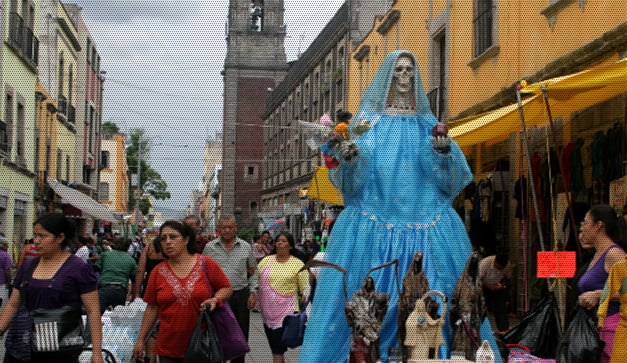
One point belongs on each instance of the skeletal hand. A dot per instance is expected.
(441, 144)
(348, 149)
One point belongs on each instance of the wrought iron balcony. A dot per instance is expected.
(71, 114)
(22, 39)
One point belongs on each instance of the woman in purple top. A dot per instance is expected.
(58, 279)
(605, 231)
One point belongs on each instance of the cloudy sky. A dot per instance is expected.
(163, 61)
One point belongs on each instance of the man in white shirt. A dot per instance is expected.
(495, 274)
(83, 251)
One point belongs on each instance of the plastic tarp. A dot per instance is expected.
(321, 188)
(565, 94)
(81, 201)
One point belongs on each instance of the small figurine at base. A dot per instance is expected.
(364, 314)
(423, 334)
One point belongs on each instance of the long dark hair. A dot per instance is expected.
(614, 224)
(185, 231)
(57, 223)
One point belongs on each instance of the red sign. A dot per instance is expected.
(557, 264)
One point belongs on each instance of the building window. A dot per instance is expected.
(104, 159)
(8, 118)
(256, 15)
(67, 168)
(437, 95)
(250, 172)
(483, 26)
(91, 130)
(61, 75)
(88, 50)
(103, 191)
(19, 142)
(59, 163)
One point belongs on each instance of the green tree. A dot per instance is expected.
(109, 129)
(246, 233)
(149, 179)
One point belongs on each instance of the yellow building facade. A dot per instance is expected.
(114, 183)
(472, 55)
(18, 69)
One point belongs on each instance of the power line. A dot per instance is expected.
(161, 93)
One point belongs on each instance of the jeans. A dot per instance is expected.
(111, 295)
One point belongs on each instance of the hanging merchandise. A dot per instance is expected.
(540, 329)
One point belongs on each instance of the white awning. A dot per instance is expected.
(82, 201)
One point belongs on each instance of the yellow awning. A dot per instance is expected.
(322, 189)
(581, 90)
(566, 95)
(503, 121)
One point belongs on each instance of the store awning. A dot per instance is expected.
(81, 201)
(322, 189)
(494, 124)
(566, 95)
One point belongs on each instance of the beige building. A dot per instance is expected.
(212, 159)
(114, 184)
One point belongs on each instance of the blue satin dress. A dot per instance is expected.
(398, 197)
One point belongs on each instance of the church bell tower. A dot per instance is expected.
(255, 63)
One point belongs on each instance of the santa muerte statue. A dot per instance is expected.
(398, 172)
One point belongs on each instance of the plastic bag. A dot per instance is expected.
(540, 329)
(581, 342)
(204, 345)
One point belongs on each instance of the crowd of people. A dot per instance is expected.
(182, 273)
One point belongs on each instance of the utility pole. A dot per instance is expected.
(138, 189)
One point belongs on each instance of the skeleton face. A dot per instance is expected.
(403, 74)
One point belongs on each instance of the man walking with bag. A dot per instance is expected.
(235, 257)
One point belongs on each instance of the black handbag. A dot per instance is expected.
(204, 345)
(58, 330)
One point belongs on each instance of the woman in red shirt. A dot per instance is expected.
(177, 290)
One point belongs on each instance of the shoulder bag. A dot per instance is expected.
(294, 328)
(229, 333)
(58, 330)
